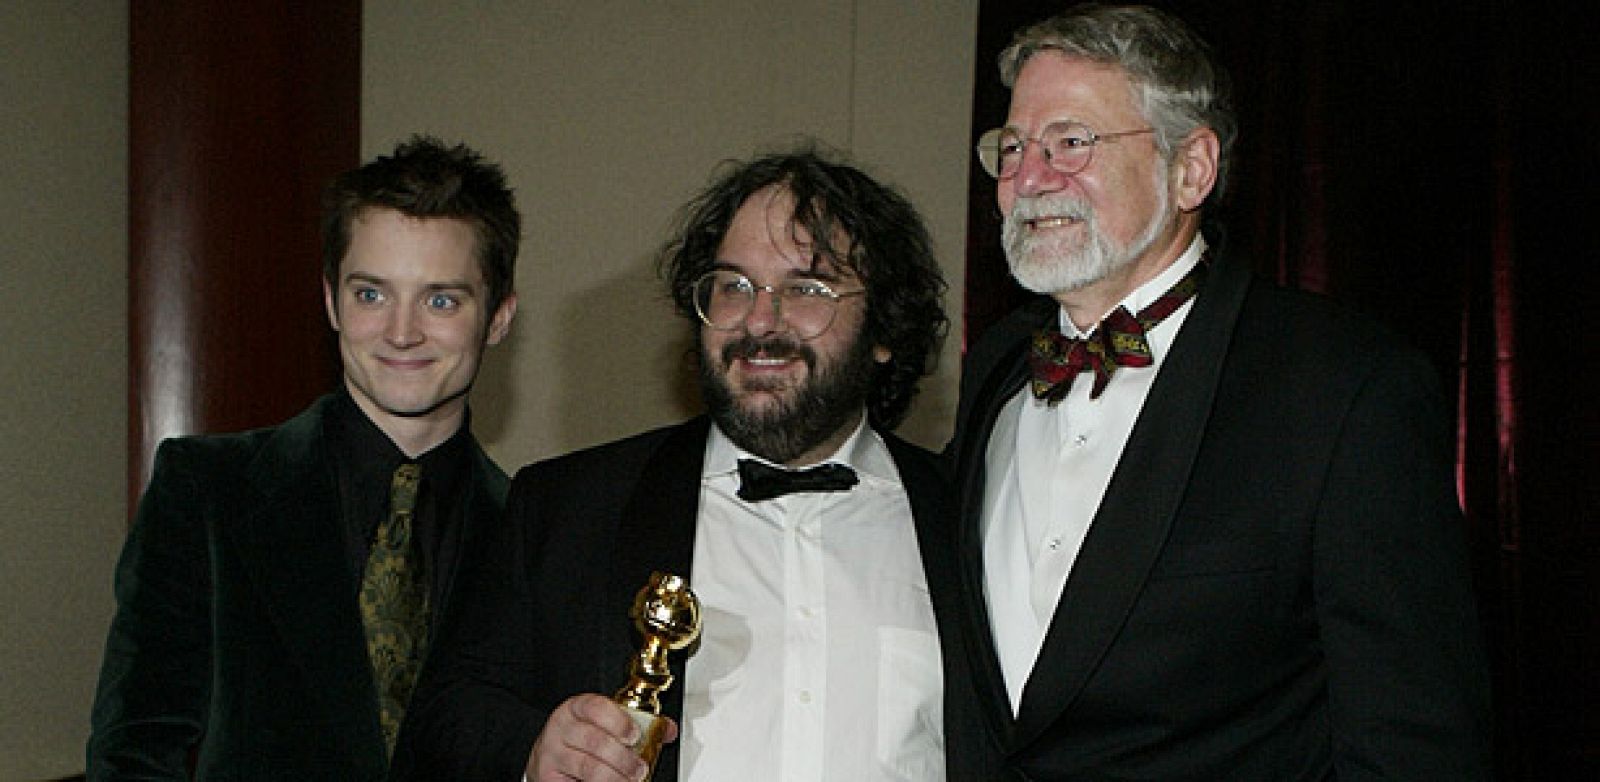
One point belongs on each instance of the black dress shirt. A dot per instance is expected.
(364, 461)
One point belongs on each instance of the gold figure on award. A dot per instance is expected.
(668, 616)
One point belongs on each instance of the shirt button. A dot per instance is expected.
(1054, 544)
(1081, 440)
(805, 696)
(806, 612)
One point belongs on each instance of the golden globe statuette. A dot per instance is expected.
(668, 616)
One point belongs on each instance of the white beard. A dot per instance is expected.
(1061, 261)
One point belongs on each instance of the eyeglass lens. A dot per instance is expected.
(724, 299)
(1067, 147)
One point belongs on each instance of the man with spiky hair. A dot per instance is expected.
(278, 588)
(812, 536)
(1208, 525)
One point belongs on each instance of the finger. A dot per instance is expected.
(605, 714)
(581, 741)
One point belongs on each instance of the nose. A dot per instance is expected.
(763, 317)
(1035, 176)
(402, 329)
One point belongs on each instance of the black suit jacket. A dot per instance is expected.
(549, 601)
(237, 635)
(1273, 588)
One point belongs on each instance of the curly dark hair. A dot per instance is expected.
(888, 248)
(425, 178)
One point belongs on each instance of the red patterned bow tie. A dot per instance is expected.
(1119, 341)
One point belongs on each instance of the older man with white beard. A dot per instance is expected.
(1209, 526)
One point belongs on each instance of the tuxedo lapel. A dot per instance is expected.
(928, 492)
(656, 533)
(483, 504)
(293, 550)
(1131, 525)
(933, 513)
(1002, 380)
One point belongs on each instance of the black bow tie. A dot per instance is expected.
(759, 481)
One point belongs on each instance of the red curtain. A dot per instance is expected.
(1433, 166)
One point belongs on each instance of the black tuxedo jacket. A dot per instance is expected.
(1274, 587)
(549, 601)
(237, 635)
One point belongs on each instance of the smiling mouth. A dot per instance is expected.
(1037, 223)
(404, 363)
(767, 361)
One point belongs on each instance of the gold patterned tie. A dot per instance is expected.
(394, 605)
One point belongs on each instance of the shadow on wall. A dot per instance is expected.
(496, 381)
(624, 357)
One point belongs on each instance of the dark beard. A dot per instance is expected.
(815, 411)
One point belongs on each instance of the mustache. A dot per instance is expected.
(770, 347)
(1049, 206)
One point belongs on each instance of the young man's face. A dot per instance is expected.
(781, 397)
(410, 306)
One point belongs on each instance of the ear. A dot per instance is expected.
(881, 354)
(1195, 168)
(500, 322)
(329, 303)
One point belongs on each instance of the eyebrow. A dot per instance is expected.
(816, 272)
(448, 285)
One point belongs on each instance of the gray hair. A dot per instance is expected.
(1177, 84)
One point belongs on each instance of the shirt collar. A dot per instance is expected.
(863, 452)
(1153, 289)
(359, 441)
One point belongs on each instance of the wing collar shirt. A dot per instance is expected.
(818, 658)
(1051, 466)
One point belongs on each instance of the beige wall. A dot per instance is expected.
(63, 371)
(607, 115)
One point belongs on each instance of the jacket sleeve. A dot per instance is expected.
(150, 704)
(1408, 686)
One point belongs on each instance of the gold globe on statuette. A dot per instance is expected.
(667, 615)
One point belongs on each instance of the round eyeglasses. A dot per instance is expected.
(1067, 147)
(725, 298)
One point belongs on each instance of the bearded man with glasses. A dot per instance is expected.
(1208, 529)
(812, 536)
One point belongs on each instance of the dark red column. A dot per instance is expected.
(238, 113)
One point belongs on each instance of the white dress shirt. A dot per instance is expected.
(818, 658)
(1049, 468)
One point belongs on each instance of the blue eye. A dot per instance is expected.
(366, 295)
(443, 301)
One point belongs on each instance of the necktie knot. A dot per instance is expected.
(396, 532)
(760, 481)
(1055, 359)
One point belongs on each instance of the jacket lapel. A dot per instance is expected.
(656, 532)
(293, 550)
(1003, 380)
(929, 494)
(483, 506)
(1133, 520)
